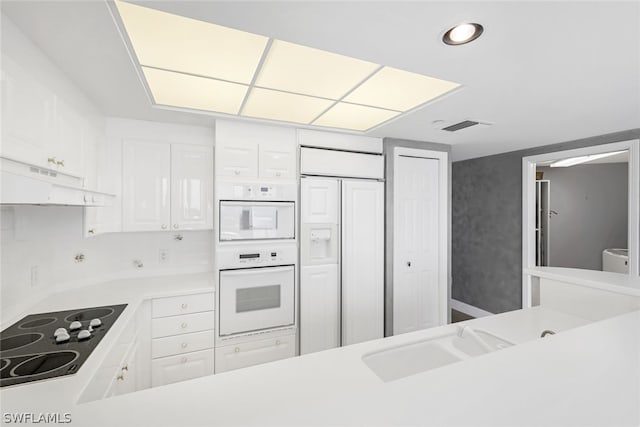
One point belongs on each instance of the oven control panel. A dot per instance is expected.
(256, 255)
(256, 191)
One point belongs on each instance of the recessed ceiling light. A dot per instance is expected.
(198, 93)
(355, 117)
(284, 106)
(300, 69)
(463, 33)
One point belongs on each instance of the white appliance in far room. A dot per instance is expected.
(615, 260)
(341, 249)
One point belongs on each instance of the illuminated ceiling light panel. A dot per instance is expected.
(176, 43)
(354, 117)
(300, 69)
(287, 107)
(186, 91)
(399, 90)
(572, 161)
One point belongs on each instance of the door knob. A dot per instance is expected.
(408, 263)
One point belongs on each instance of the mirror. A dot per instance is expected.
(581, 212)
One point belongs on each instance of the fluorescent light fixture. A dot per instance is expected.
(355, 117)
(199, 93)
(398, 90)
(300, 69)
(287, 107)
(203, 66)
(581, 159)
(176, 43)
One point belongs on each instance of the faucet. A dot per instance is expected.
(462, 330)
(546, 332)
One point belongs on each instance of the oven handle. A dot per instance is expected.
(256, 270)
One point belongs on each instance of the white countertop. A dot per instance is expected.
(614, 282)
(587, 374)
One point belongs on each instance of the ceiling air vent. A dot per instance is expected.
(462, 125)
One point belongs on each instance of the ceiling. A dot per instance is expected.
(542, 72)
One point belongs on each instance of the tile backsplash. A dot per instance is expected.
(39, 245)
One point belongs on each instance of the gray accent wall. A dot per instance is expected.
(388, 145)
(486, 258)
(592, 206)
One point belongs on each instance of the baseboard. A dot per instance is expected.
(468, 309)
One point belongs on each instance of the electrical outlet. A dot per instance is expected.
(34, 276)
(163, 256)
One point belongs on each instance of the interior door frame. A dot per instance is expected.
(528, 206)
(444, 222)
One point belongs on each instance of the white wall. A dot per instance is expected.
(48, 237)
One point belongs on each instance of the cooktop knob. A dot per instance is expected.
(75, 325)
(95, 323)
(62, 337)
(60, 331)
(84, 334)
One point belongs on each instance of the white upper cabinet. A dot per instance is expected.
(69, 139)
(166, 186)
(191, 187)
(239, 160)
(247, 150)
(146, 170)
(27, 116)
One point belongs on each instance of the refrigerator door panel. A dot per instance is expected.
(319, 308)
(362, 261)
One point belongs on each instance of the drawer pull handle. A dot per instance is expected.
(163, 226)
(277, 342)
(183, 360)
(183, 326)
(120, 377)
(237, 172)
(237, 349)
(125, 367)
(183, 345)
(184, 306)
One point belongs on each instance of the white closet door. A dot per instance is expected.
(146, 167)
(319, 277)
(416, 255)
(191, 187)
(362, 261)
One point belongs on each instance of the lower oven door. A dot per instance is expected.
(252, 299)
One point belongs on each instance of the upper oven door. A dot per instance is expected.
(256, 298)
(256, 220)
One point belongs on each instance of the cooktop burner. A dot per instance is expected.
(49, 345)
(17, 341)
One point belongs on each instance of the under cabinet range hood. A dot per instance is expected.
(23, 184)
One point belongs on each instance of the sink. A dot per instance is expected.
(410, 359)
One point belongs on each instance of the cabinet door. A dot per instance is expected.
(319, 308)
(27, 116)
(183, 367)
(252, 353)
(239, 160)
(191, 187)
(146, 192)
(362, 261)
(277, 159)
(126, 376)
(68, 143)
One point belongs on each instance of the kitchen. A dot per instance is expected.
(271, 230)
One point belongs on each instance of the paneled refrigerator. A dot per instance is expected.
(342, 262)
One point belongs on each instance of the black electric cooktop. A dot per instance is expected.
(48, 345)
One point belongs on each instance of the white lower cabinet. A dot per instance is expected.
(167, 370)
(236, 356)
(183, 337)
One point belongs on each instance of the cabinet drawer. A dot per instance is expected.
(183, 367)
(161, 347)
(238, 356)
(175, 325)
(173, 306)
